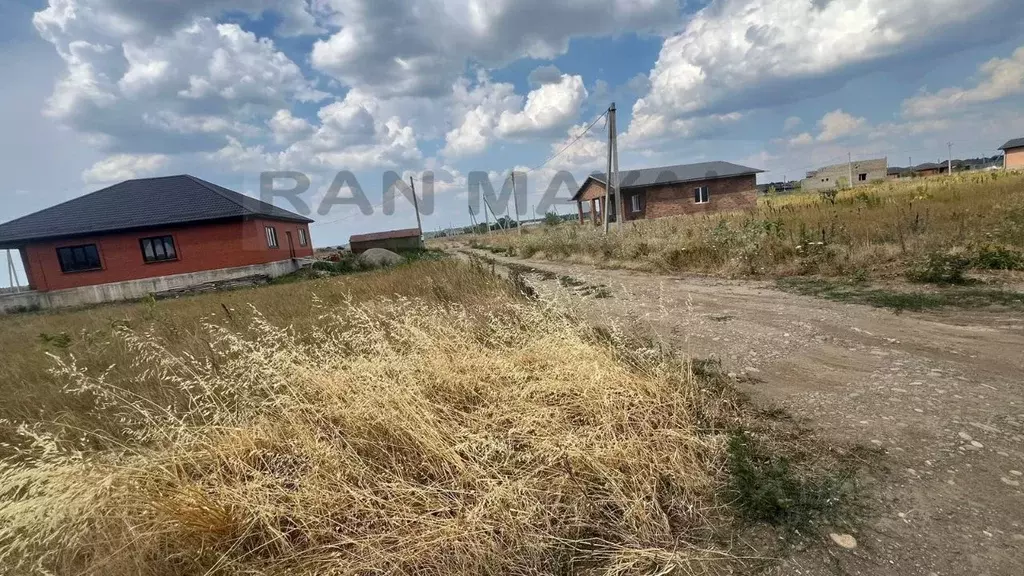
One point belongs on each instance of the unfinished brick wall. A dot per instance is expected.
(736, 193)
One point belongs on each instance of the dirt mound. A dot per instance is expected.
(379, 257)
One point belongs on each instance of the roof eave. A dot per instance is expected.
(595, 178)
(576, 196)
(752, 172)
(19, 241)
(300, 219)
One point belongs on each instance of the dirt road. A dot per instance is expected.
(942, 394)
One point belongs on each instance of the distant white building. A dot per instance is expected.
(838, 175)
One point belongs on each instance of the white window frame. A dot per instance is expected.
(701, 195)
(272, 237)
(303, 239)
(635, 202)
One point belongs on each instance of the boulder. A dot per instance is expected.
(379, 258)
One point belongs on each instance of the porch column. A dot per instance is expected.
(593, 211)
(579, 206)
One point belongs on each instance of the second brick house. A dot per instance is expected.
(1013, 154)
(672, 191)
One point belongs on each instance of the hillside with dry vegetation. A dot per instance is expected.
(929, 229)
(424, 420)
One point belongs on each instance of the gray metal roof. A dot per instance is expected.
(142, 203)
(661, 175)
(1015, 143)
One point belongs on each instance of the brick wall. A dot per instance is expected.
(593, 191)
(199, 247)
(1015, 159)
(736, 193)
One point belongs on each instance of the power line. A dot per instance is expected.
(570, 144)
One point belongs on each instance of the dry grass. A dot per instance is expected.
(448, 428)
(880, 231)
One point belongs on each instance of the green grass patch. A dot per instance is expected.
(858, 293)
(766, 487)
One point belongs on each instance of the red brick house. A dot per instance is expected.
(672, 191)
(141, 235)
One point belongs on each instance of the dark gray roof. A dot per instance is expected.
(142, 203)
(1015, 143)
(645, 177)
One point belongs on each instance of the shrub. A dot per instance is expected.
(343, 265)
(869, 200)
(999, 258)
(941, 268)
(59, 340)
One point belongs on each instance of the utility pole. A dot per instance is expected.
(416, 205)
(949, 166)
(515, 202)
(487, 219)
(608, 173)
(620, 202)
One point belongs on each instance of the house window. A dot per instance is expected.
(79, 258)
(158, 249)
(862, 177)
(302, 237)
(271, 237)
(701, 195)
(635, 201)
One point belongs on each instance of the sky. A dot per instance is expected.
(100, 91)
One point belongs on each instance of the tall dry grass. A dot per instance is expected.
(879, 230)
(31, 393)
(449, 428)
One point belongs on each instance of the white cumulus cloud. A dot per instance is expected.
(490, 111)
(838, 124)
(411, 47)
(999, 78)
(550, 107)
(180, 92)
(287, 128)
(124, 167)
(735, 55)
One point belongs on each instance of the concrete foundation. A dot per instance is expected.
(136, 289)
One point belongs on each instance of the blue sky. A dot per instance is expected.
(98, 91)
